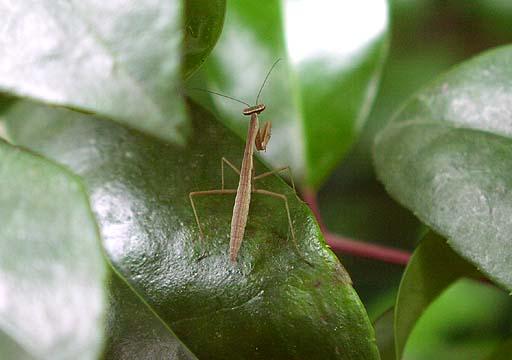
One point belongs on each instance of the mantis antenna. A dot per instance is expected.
(240, 101)
(216, 93)
(266, 77)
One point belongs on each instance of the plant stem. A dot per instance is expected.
(371, 251)
(353, 247)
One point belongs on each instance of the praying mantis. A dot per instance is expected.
(259, 138)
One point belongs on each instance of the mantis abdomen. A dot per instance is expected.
(243, 194)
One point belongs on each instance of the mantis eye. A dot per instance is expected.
(262, 137)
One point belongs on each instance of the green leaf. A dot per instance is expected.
(52, 271)
(384, 333)
(117, 59)
(270, 304)
(5, 102)
(318, 97)
(204, 20)
(467, 321)
(481, 13)
(447, 157)
(433, 267)
(504, 351)
(133, 329)
(12, 350)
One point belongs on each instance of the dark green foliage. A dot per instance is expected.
(271, 304)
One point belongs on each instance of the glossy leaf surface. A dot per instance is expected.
(134, 331)
(203, 24)
(119, 59)
(434, 266)
(270, 304)
(447, 157)
(52, 271)
(318, 97)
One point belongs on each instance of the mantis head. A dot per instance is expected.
(263, 134)
(256, 109)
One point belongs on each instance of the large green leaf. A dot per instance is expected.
(384, 332)
(117, 59)
(136, 332)
(52, 271)
(319, 96)
(447, 156)
(469, 320)
(434, 266)
(270, 304)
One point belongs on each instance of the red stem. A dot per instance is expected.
(367, 250)
(353, 247)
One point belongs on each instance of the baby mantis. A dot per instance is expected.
(256, 137)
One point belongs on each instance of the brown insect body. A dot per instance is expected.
(244, 190)
(259, 138)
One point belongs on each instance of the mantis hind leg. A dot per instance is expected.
(292, 231)
(284, 168)
(200, 193)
